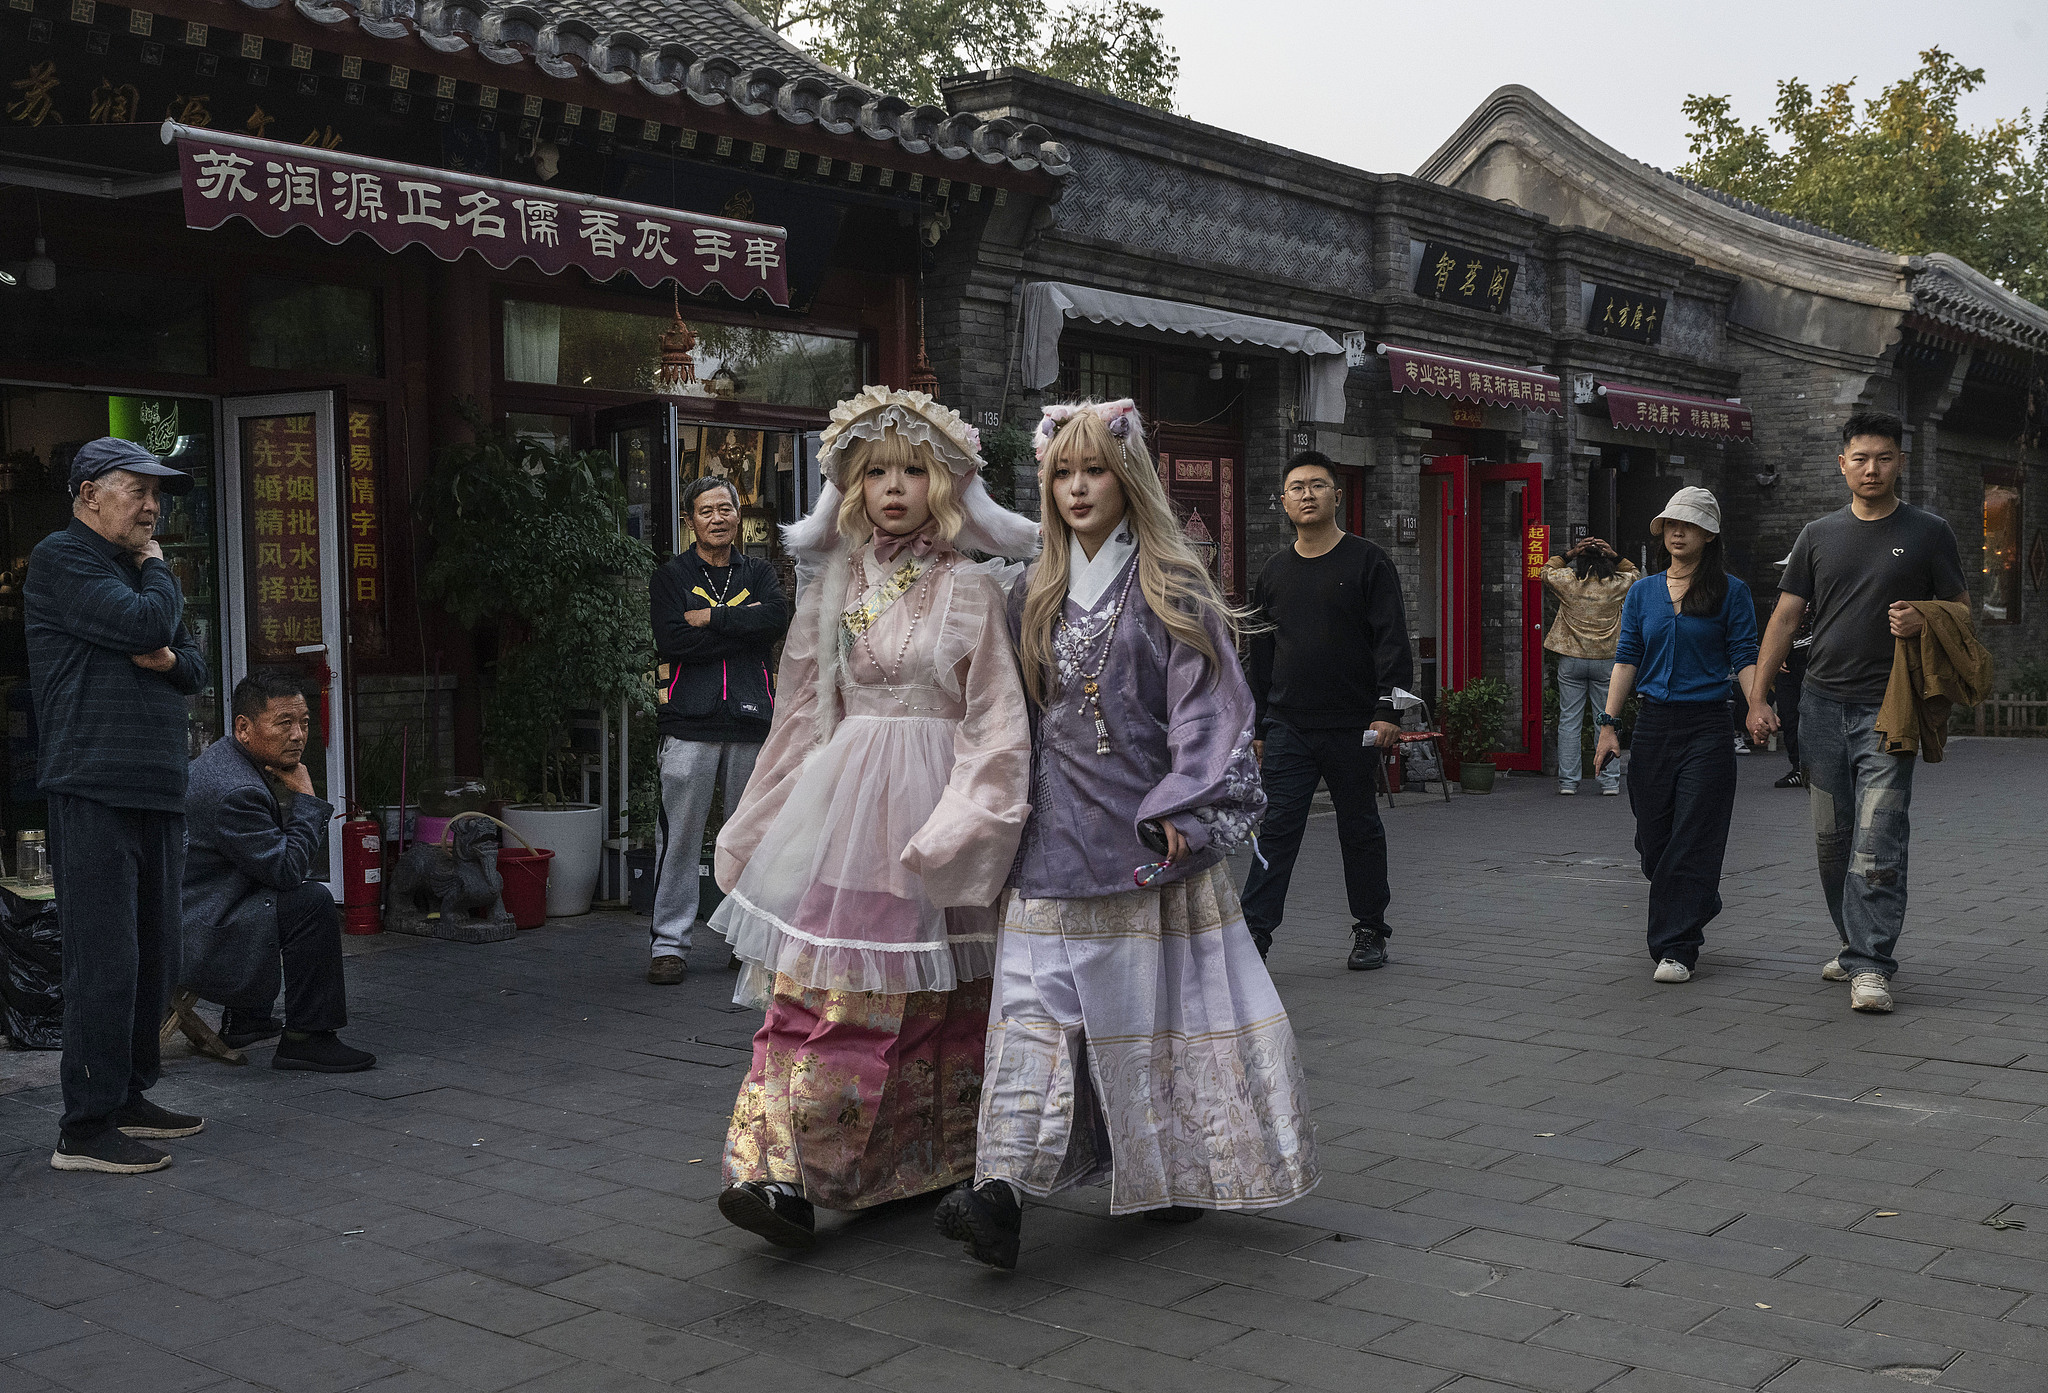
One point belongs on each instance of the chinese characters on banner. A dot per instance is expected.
(1455, 276)
(276, 187)
(364, 528)
(1624, 314)
(1440, 375)
(1535, 549)
(282, 535)
(1669, 413)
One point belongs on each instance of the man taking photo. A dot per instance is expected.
(1856, 569)
(1323, 673)
(254, 914)
(110, 666)
(717, 615)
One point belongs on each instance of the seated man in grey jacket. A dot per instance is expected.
(253, 831)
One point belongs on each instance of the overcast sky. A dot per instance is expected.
(1380, 85)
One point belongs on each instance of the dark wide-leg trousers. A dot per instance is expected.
(1295, 760)
(119, 878)
(309, 962)
(1681, 786)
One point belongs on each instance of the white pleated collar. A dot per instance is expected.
(1089, 580)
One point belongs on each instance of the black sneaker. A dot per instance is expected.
(986, 1219)
(786, 1220)
(138, 1117)
(1368, 950)
(107, 1149)
(1174, 1214)
(666, 971)
(238, 1031)
(1791, 780)
(321, 1052)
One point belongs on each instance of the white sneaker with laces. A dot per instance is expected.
(1568, 790)
(1671, 970)
(1868, 991)
(1831, 971)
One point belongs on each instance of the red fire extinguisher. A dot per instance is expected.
(362, 874)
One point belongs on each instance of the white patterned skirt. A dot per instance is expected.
(1137, 1037)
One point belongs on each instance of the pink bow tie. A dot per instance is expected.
(889, 546)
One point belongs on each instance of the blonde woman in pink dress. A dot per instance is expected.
(862, 866)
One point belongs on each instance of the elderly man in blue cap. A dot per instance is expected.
(111, 663)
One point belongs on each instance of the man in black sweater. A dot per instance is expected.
(1323, 673)
(110, 665)
(717, 615)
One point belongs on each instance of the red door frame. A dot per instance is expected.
(1460, 583)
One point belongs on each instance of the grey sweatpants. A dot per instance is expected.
(691, 771)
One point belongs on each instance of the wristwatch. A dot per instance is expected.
(1607, 720)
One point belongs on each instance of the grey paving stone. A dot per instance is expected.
(206, 1269)
(1331, 1323)
(1634, 1305)
(463, 1354)
(1282, 1274)
(516, 1260)
(814, 1341)
(1125, 1368)
(488, 1303)
(56, 1278)
(1554, 1371)
(1741, 1289)
(1621, 1236)
(958, 1279)
(921, 1370)
(109, 1362)
(1690, 1353)
(279, 1356)
(1170, 1332)
(652, 1351)
(1918, 1288)
(1480, 1313)
(800, 1286)
(1988, 1373)
(28, 1325)
(1513, 1250)
(166, 1315)
(644, 1295)
(987, 1335)
(337, 1312)
(358, 1262)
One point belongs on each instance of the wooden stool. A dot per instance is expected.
(204, 1038)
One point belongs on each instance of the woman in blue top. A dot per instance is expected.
(1682, 632)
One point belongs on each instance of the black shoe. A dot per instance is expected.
(1262, 942)
(138, 1117)
(985, 1219)
(1174, 1214)
(1368, 950)
(321, 1052)
(107, 1149)
(786, 1220)
(1791, 780)
(666, 971)
(239, 1031)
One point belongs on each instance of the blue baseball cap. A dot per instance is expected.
(108, 453)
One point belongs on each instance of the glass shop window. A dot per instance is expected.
(1098, 376)
(2002, 515)
(109, 321)
(301, 326)
(620, 350)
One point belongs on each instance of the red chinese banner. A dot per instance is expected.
(1674, 413)
(364, 515)
(275, 187)
(1535, 549)
(282, 507)
(1469, 379)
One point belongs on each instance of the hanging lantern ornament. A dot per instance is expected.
(678, 369)
(922, 378)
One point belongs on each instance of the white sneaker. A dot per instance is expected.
(1869, 992)
(1610, 791)
(1831, 971)
(1567, 789)
(1671, 970)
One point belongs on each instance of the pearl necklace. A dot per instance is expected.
(924, 599)
(1077, 642)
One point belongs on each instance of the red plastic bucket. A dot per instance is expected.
(526, 885)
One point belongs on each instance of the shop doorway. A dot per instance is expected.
(288, 547)
(1480, 613)
(1200, 470)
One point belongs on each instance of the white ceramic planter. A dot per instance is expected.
(575, 833)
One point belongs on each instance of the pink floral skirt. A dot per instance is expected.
(861, 1097)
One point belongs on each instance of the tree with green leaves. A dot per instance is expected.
(904, 47)
(1898, 171)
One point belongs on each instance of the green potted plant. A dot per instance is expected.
(532, 540)
(1472, 719)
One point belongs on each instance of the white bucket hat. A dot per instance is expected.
(1694, 505)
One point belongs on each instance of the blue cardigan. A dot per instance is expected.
(1681, 658)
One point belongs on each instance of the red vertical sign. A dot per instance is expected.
(365, 528)
(283, 510)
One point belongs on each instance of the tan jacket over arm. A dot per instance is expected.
(1943, 668)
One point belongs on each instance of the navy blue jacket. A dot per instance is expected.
(109, 730)
(714, 683)
(241, 852)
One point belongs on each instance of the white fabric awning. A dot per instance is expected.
(1049, 304)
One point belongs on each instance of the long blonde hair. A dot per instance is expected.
(891, 448)
(1175, 583)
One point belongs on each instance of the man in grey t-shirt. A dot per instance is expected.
(1857, 568)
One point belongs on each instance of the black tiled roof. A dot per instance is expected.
(1770, 215)
(712, 51)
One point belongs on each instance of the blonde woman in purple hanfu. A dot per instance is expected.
(1136, 1039)
(863, 863)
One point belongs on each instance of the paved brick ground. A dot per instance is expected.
(1543, 1171)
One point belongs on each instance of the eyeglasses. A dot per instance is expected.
(1311, 487)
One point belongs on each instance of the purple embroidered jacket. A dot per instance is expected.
(1180, 748)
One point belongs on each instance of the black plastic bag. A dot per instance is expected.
(31, 972)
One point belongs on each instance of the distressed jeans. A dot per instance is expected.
(1860, 798)
(1581, 696)
(691, 772)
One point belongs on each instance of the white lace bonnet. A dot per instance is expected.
(988, 526)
